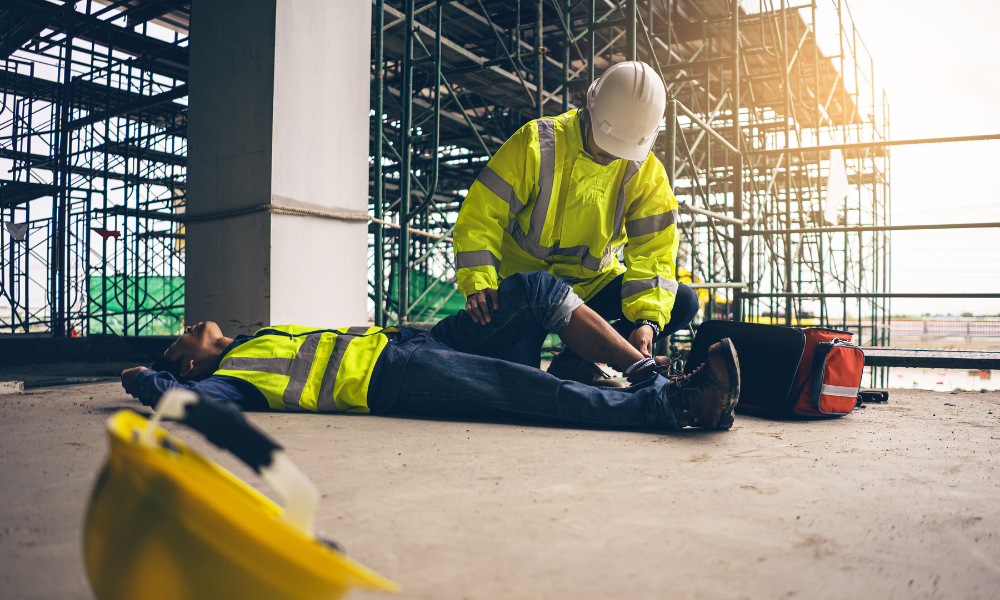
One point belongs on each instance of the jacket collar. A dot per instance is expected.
(574, 133)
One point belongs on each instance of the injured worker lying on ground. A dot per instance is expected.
(459, 369)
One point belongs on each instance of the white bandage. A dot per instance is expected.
(639, 364)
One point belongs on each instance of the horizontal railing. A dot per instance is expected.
(957, 327)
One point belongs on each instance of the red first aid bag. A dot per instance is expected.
(829, 375)
(788, 371)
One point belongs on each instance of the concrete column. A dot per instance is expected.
(278, 115)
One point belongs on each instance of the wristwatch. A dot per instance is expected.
(653, 324)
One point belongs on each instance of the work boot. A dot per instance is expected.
(573, 367)
(707, 396)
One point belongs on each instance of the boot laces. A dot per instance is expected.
(680, 379)
(670, 370)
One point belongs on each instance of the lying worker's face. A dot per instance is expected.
(600, 156)
(197, 349)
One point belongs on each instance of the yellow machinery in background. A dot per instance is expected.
(685, 276)
(705, 295)
(166, 523)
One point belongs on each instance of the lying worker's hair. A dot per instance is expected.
(170, 366)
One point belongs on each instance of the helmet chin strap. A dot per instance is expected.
(585, 125)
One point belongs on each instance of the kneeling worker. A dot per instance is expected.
(459, 369)
(565, 194)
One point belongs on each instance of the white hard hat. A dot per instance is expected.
(626, 104)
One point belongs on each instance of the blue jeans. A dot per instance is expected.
(486, 371)
(608, 304)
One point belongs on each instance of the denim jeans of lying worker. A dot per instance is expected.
(531, 305)
(480, 371)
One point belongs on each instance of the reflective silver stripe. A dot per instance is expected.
(652, 224)
(839, 390)
(630, 171)
(631, 288)
(298, 373)
(574, 280)
(278, 366)
(505, 191)
(546, 176)
(326, 402)
(524, 243)
(531, 242)
(590, 262)
(476, 258)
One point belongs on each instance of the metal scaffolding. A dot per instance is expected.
(93, 150)
(750, 91)
(777, 149)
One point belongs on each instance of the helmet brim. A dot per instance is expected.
(623, 149)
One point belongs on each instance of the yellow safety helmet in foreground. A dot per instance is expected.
(164, 522)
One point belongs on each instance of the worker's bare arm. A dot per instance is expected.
(478, 305)
(128, 380)
(590, 336)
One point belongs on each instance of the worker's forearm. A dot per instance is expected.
(590, 336)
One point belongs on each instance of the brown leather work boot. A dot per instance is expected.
(573, 367)
(707, 396)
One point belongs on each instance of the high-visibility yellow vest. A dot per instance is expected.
(305, 368)
(542, 204)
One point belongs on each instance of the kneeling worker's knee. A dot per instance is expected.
(530, 285)
(686, 305)
(528, 280)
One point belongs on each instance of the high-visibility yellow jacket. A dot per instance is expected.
(542, 203)
(305, 368)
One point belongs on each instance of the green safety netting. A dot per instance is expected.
(441, 300)
(153, 304)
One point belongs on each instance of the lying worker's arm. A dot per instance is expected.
(147, 386)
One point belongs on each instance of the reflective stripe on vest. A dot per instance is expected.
(651, 224)
(633, 287)
(476, 258)
(294, 380)
(531, 242)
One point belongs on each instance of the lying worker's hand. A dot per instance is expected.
(479, 304)
(128, 380)
(642, 340)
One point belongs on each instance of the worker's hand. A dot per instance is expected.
(642, 340)
(128, 380)
(479, 304)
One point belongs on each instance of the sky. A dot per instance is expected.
(939, 63)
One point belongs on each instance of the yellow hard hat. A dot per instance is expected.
(164, 522)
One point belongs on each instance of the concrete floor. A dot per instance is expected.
(897, 500)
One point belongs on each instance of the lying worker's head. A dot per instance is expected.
(195, 354)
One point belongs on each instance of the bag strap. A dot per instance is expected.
(793, 396)
(819, 368)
